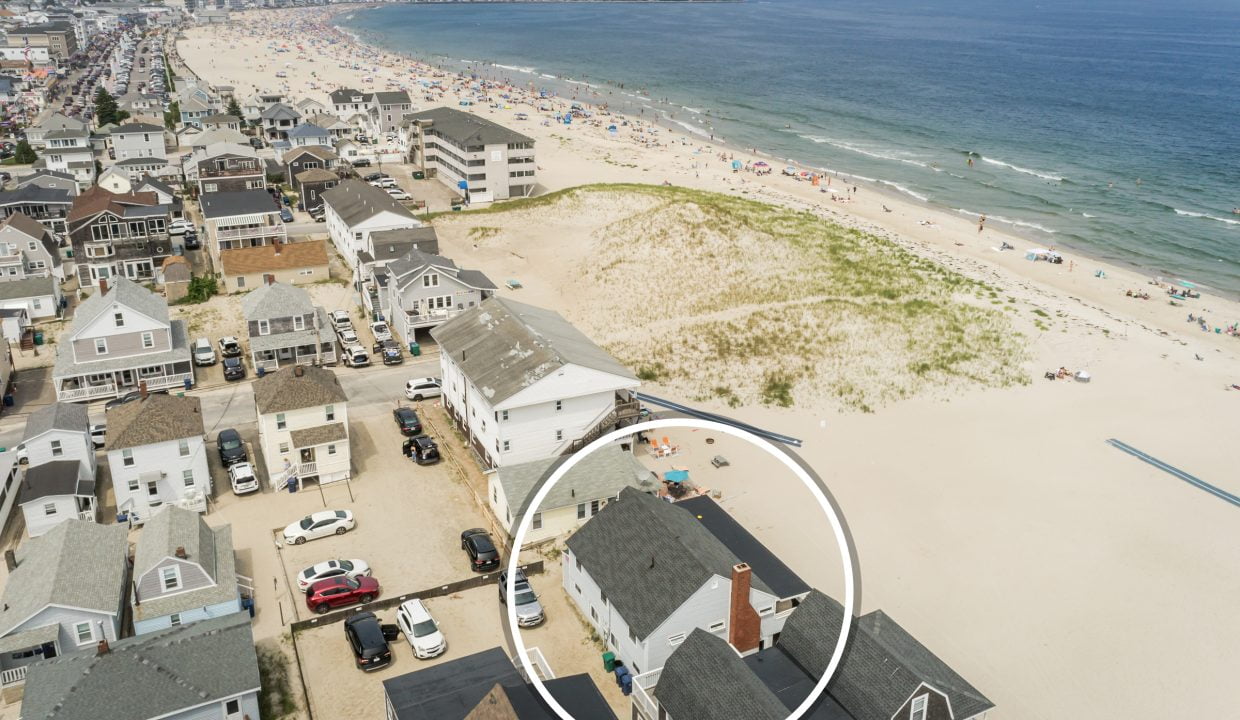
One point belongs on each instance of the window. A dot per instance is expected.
(718, 626)
(49, 509)
(581, 511)
(264, 327)
(430, 280)
(101, 346)
(330, 412)
(593, 508)
(537, 521)
(187, 476)
(152, 489)
(127, 458)
(148, 340)
(675, 639)
(559, 405)
(133, 485)
(171, 577)
(503, 414)
(37, 303)
(507, 446)
(594, 614)
(175, 619)
(283, 447)
(918, 709)
(183, 447)
(210, 187)
(299, 322)
(559, 435)
(85, 633)
(119, 318)
(577, 588)
(281, 423)
(331, 449)
(494, 494)
(232, 707)
(57, 450)
(768, 610)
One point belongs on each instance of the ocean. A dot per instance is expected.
(1107, 126)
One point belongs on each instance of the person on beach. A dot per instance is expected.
(981, 223)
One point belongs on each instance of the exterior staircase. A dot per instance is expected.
(624, 413)
(27, 342)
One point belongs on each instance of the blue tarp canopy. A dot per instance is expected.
(676, 475)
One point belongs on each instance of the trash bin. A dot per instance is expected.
(189, 383)
(38, 337)
(260, 371)
(415, 349)
(291, 484)
(8, 401)
(609, 661)
(419, 175)
(456, 208)
(248, 604)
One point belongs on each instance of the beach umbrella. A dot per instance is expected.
(761, 163)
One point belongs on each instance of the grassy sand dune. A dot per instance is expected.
(717, 296)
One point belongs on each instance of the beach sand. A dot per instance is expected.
(1054, 572)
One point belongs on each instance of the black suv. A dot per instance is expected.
(234, 368)
(483, 556)
(232, 450)
(408, 421)
(421, 449)
(369, 644)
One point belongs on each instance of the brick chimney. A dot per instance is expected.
(181, 552)
(103, 286)
(276, 244)
(103, 647)
(299, 370)
(270, 279)
(142, 390)
(744, 626)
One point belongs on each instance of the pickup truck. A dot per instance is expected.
(355, 356)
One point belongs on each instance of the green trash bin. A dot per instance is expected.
(415, 349)
(609, 661)
(38, 337)
(419, 175)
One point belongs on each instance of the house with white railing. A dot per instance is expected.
(523, 384)
(353, 210)
(184, 571)
(59, 479)
(286, 328)
(157, 455)
(120, 337)
(241, 219)
(303, 425)
(65, 592)
(424, 290)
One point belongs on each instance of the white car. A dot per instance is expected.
(241, 477)
(381, 331)
(331, 569)
(99, 434)
(179, 227)
(318, 525)
(422, 388)
(203, 353)
(420, 630)
(398, 194)
(340, 320)
(348, 337)
(355, 356)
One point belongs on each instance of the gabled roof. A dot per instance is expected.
(231, 203)
(407, 269)
(123, 292)
(279, 111)
(216, 149)
(346, 95)
(467, 129)
(667, 557)
(52, 479)
(76, 564)
(160, 417)
(172, 528)
(27, 288)
(284, 390)
(322, 152)
(293, 255)
(764, 563)
(221, 118)
(30, 192)
(71, 417)
(391, 97)
(276, 300)
(217, 136)
(504, 346)
(705, 678)
(155, 184)
(392, 244)
(67, 134)
(97, 199)
(307, 130)
(316, 175)
(601, 474)
(20, 221)
(137, 127)
(355, 201)
(152, 675)
(884, 664)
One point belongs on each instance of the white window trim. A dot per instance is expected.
(77, 633)
(918, 708)
(718, 626)
(264, 327)
(148, 340)
(101, 342)
(675, 639)
(163, 580)
(299, 322)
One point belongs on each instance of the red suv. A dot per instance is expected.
(340, 591)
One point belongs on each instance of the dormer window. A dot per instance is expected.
(917, 711)
(430, 280)
(171, 577)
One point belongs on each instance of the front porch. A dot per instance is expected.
(79, 388)
(322, 452)
(21, 650)
(274, 359)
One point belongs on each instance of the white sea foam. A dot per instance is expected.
(850, 147)
(905, 190)
(692, 110)
(1026, 171)
(1085, 214)
(1207, 217)
(1008, 221)
(692, 128)
(549, 77)
(516, 68)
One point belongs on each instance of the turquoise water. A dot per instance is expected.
(1112, 127)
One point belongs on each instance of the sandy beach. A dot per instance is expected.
(995, 523)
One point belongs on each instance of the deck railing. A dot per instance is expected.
(13, 676)
(87, 393)
(642, 699)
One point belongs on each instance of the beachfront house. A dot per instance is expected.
(558, 393)
(303, 425)
(202, 670)
(69, 151)
(309, 106)
(347, 102)
(278, 120)
(577, 497)
(494, 162)
(354, 210)
(59, 482)
(28, 250)
(336, 127)
(424, 290)
(385, 110)
(294, 263)
(286, 328)
(673, 576)
(183, 571)
(157, 455)
(121, 337)
(36, 134)
(138, 140)
(119, 235)
(313, 157)
(241, 219)
(307, 135)
(65, 592)
(47, 205)
(224, 167)
(222, 121)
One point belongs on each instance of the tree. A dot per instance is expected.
(105, 107)
(24, 154)
(233, 108)
(173, 115)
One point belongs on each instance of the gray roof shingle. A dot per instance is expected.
(355, 201)
(601, 474)
(237, 202)
(276, 300)
(467, 129)
(284, 390)
(147, 676)
(136, 127)
(318, 435)
(508, 346)
(67, 366)
(27, 287)
(125, 292)
(740, 541)
(160, 417)
(57, 416)
(391, 244)
(705, 678)
(667, 556)
(391, 97)
(51, 479)
(211, 548)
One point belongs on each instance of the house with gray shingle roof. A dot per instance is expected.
(645, 573)
(524, 384)
(29, 249)
(424, 290)
(138, 140)
(59, 480)
(45, 197)
(66, 593)
(203, 670)
(577, 497)
(278, 120)
(157, 455)
(121, 338)
(184, 571)
(303, 424)
(308, 135)
(354, 209)
(286, 328)
(385, 110)
(706, 678)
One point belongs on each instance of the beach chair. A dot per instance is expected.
(513, 284)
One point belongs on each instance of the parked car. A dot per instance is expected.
(232, 450)
(230, 346)
(422, 388)
(477, 544)
(529, 610)
(191, 241)
(390, 351)
(407, 420)
(341, 320)
(180, 226)
(373, 177)
(204, 354)
(347, 336)
(340, 591)
(381, 331)
(368, 641)
(361, 162)
(99, 435)
(319, 525)
(256, 143)
(318, 214)
(330, 569)
(383, 182)
(420, 630)
(421, 449)
(355, 356)
(234, 368)
(398, 194)
(286, 215)
(241, 477)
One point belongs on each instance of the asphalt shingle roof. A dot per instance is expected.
(391, 97)
(318, 435)
(124, 292)
(67, 366)
(601, 474)
(27, 287)
(58, 477)
(355, 201)
(322, 152)
(279, 111)
(283, 390)
(764, 563)
(211, 548)
(31, 192)
(230, 203)
(705, 678)
(137, 127)
(391, 244)
(307, 130)
(57, 416)
(667, 556)
(160, 417)
(276, 300)
(147, 676)
(263, 258)
(466, 129)
(504, 346)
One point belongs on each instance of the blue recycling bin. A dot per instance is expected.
(247, 604)
(291, 484)
(189, 383)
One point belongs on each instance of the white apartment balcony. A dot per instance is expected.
(246, 232)
(424, 317)
(643, 694)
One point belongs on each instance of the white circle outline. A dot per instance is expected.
(527, 519)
